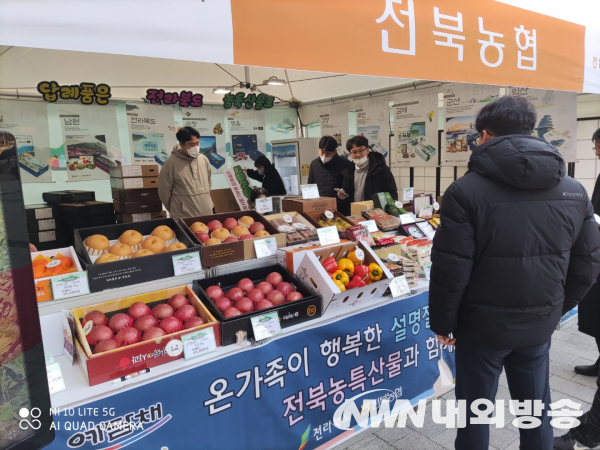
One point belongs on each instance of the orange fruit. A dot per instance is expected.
(40, 261)
(65, 262)
(38, 272)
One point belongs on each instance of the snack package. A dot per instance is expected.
(424, 253)
(297, 230)
(359, 233)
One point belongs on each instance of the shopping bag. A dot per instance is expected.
(445, 381)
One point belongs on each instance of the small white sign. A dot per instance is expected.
(264, 205)
(70, 285)
(133, 183)
(266, 325)
(141, 217)
(393, 257)
(56, 383)
(174, 348)
(43, 213)
(406, 218)
(88, 327)
(328, 235)
(288, 218)
(360, 255)
(399, 204)
(265, 247)
(370, 225)
(186, 263)
(436, 206)
(399, 286)
(309, 191)
(408, 194)
(54, 263)
(329, 214)
(427, 269)
(198, 343)
(131, 171)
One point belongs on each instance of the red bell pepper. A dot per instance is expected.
(361, 271)
(330, 265)
(355, 283)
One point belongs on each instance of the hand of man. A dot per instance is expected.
(446, 340)
(341, 194)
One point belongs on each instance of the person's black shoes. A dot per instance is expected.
(590, 371)
(566, 442)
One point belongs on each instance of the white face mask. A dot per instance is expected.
(261, 171)
(326, 159)
(193, 152)
(362, 161)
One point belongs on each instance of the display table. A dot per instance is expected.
(278, 393)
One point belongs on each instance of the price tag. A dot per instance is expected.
(56, 383)
(309, 191)
(369, 225)
(174, 348)
(198, 343)
(70, 285)
(266, 325)
(406, 218)
(436, 206)
(54, 263)
(427, 269)
(287, 218)
(399, 286)
(264, 205)
(329, 214)
(408, 194)
(265, 247)
(360, 255)
(328, 235)
(88, 327)
(399, 204)
(393, 257)
(186, 263)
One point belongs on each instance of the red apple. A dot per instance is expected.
(162, 311)
(264, 304)
(256, 295)
(202, 236)
(128, 336)
(171, 325)
(223, 304)
(120, 321)
(295, 295)
(235, 294)
(213, 225)
(255, 227)
(138, 309)
(246, 236)
(214, 292)
(230, 239)
(264, 287)
(144, 323)
(245, 284)
(177, 301)
(105, 345)
(274, 278)
(285, 288)
(153, 333)
(276, 297)
(245, 305)
(193, 322)
(99, 333)
(96, 317)
(230, 223)
(185, 312)
(232, 312)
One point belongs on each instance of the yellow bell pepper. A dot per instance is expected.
(346, 265)
(340, 285)
(352, 257)
(341, 276)
(375, 272)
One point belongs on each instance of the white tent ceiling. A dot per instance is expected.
(129, 76)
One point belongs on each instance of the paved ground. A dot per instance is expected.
(569, 348)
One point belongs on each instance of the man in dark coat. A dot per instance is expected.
(517, 248)
(370, 174)
(326, 172)
(267, 174)
(589, 308)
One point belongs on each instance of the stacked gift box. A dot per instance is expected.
(135, 193)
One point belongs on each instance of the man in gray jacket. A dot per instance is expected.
(185, 177)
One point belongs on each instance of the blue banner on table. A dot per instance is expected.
(281, 395)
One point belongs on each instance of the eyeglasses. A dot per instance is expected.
(358, 152)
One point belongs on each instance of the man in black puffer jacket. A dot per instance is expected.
(517, 248)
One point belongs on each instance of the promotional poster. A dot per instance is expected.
(211, 126)
(151, 133)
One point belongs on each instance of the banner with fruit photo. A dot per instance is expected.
(282, 394)
(91, 141)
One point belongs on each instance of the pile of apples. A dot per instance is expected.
(231, 230)
(245, 297)
(140, 323)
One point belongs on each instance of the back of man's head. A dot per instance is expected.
(507, 115)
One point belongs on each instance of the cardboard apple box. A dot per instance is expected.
(43, 286)
(314, 276)
(122, 361)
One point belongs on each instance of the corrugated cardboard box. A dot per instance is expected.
(149, 170)
(357, 207)
(309, 205)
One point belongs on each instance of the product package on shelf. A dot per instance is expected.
(46, 240)
(48, 264)
(135, 333)
(136, 195)
(137, 207)
(279, 286)
(140, 217)
(134, 183)
(330, 218)
(295, 226)
(384, 221)
(41, 217)
(357, 208)
(360, 233)
(384, 200)
(401, 265)
(69, 196)
(146, 253)
(229, 237)
(290, 257)
(422, 205)
(147, 170)
(319, 278)
(309, 205)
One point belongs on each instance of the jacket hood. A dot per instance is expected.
(523, 161)
(263, 161)
(177, 152)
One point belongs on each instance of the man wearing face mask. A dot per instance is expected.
(185, 178)
(326, 172)
(370, 174)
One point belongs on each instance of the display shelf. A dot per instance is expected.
(78, 391)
